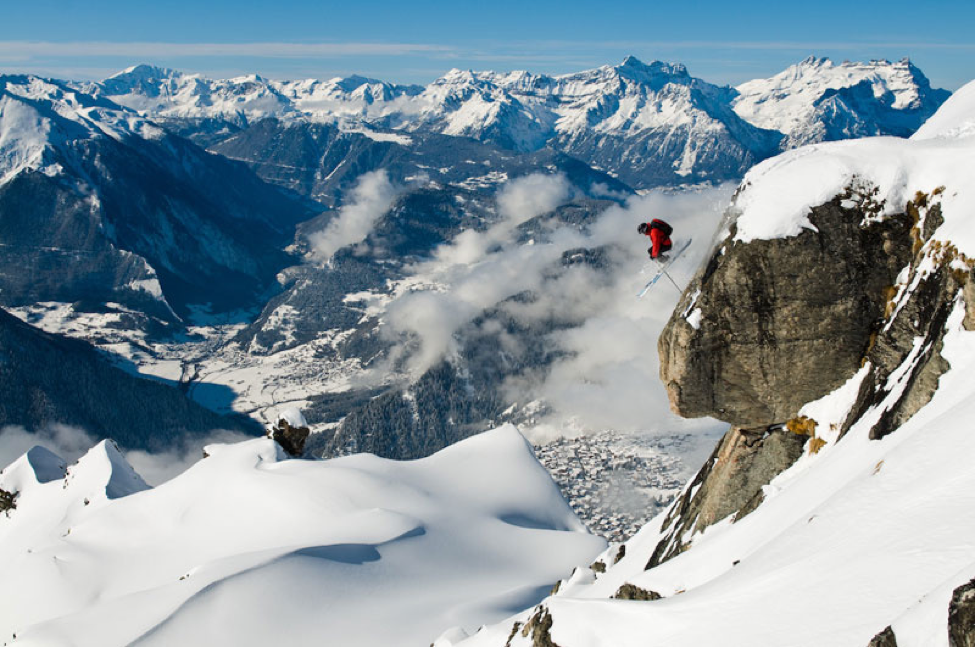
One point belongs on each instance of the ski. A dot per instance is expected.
(662, 269)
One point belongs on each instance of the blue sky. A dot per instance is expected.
(416, 41)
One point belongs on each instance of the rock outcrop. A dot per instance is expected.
(633, 592)
(8, 500)
(730, 483)
(291, 438)
(771, 325)
(961, 616)
(785, 321)
(885, 638)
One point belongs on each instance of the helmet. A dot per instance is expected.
(642, 228)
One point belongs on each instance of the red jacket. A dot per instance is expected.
(659, 240)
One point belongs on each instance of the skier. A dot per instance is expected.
(659, 233)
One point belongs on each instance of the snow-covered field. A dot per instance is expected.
(246, 548)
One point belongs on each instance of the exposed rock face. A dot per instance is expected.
(885, 638)
(7, 500)
(539, 627)
(785, 321)
(961, 616)
(729, 483)
(292, 439)
(634, 592)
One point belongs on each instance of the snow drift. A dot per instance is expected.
(246, 548)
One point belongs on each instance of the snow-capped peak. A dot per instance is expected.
(635, 69)
(146, 72)
(819, 100)
(103, 473)
(622, 118)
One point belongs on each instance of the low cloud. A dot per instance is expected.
(156, 468)
(71, 443)
(372, 197)
(609, 374)
(475, 271)
(607, 377)
(518, 202)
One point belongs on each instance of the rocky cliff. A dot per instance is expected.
(768, 326)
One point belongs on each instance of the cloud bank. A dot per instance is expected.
(475, 271)
(607, 377)
(372, 197)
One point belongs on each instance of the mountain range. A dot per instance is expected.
(834, 510)
(648, 124)
(155, 199)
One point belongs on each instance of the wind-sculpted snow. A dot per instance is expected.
(246, 548)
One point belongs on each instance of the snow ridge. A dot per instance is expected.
(376, 552)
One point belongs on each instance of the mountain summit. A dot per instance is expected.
(818, 100)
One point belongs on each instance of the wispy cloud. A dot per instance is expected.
(476, 270)
(372, 196)
(607, 367)
(135, 50)
(538, 48)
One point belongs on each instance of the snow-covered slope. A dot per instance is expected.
(955, 119)
(817, 100)
(38, 117)
(869, 530)
(105, 206)
(847, 542)
(246, 548)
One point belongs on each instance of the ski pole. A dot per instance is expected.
(672, 281)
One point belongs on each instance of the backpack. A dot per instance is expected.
(662, 226)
